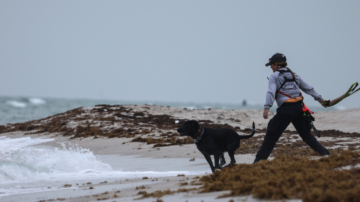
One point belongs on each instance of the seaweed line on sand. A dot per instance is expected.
(285, 177)
(291, 177)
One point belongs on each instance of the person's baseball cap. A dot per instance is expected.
(277, 57)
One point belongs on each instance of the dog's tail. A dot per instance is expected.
(248, 136)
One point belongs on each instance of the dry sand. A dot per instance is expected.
(346, 121)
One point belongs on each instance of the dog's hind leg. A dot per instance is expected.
(231, 154)
(216, 160)
(222, 160)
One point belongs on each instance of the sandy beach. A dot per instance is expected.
(145, 153)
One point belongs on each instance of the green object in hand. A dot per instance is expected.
(351, 91)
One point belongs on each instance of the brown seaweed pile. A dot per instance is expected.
(113, 121)
(161, 193)
(291, 177)
(156, 194)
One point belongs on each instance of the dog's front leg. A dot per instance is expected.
(208, 158)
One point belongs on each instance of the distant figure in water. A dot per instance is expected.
(244, 103)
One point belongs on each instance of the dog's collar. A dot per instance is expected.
(199, 134)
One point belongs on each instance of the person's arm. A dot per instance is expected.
(310, 91)
(270, 96)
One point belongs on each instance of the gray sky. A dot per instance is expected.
(179, 51)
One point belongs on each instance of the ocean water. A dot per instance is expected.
(27, 167)
(22, 109)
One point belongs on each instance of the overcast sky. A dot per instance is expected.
(178, 51)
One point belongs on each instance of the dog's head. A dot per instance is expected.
(189, 128)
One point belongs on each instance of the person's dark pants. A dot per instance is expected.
(286, 114)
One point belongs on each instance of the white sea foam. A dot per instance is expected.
(26, 167)
(8, 145)
(37, 101)
(15, 103)
(39, 162)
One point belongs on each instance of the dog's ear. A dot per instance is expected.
(195, 125)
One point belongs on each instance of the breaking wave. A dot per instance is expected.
(15, 103)
(37, 101)
(41, 161)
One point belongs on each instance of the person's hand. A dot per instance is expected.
(266, 113)
(323, 103)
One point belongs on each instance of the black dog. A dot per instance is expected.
(214, 141)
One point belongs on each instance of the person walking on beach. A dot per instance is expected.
(284, 87)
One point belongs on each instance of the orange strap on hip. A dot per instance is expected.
(297, 99)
